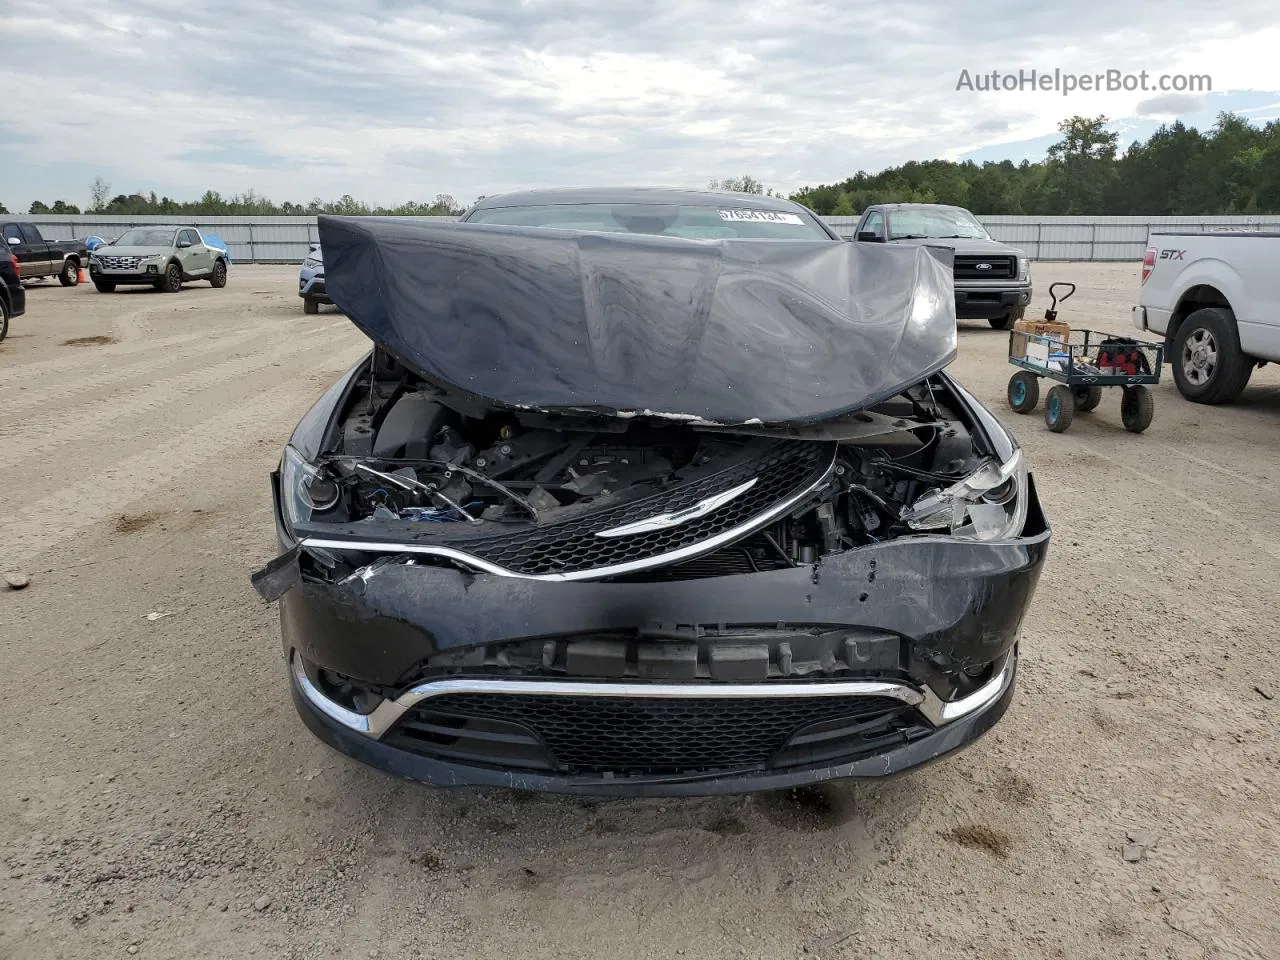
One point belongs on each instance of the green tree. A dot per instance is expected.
(1080, 167)
(61, 206)
(843, 207)
(99, 191)
(3, 208)
(746, 184)
(38, 206)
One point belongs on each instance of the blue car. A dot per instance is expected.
(311, 281)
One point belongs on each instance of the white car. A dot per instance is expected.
(1216, 299)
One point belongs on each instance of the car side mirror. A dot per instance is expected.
(183, 244)
(869, 236)
(14, 241)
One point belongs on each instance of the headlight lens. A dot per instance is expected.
(1024, 268)
(989, 504)
(302, 489)
(311, 263)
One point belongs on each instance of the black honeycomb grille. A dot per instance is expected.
(635, 736)
(785, 470)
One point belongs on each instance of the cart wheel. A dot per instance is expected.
(1137, 407)
(1087, 397)
(1059, 409)
(1024, 391)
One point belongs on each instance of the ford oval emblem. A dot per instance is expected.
(983, 266)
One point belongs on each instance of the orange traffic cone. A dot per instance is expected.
(82, 278)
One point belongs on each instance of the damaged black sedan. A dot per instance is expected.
(644, 493)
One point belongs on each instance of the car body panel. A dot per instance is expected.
(1239, 266)
(558, 319)
(904, 639)
(311, 282)
(39, 257)
(401, 764)
(11, 291)
(145, 264)
(975, 298)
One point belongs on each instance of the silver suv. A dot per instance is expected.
(163, 257)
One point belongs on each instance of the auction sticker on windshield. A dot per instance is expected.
(761, 216)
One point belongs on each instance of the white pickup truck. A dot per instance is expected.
(1216, 299)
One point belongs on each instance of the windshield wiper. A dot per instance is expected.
(910, 236)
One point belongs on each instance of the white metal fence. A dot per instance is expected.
(286, 239)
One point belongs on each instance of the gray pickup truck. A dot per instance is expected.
(162, 257)
(992, 279)
(38, 257)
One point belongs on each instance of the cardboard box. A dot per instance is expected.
(1052, 329)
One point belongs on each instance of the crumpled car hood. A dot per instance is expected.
(723, 331)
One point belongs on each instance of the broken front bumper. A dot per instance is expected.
(636, 692)
(959, 724)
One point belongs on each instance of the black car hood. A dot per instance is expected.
(725, 331)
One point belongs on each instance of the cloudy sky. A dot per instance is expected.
(394, 100)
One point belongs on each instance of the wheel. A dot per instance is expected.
(70, 275)
(219, 278)
(1059, 409)
(1008, 320)
(1208, 364)
(172, 281)
(1087, 397)
(1024, 391)
(105, 286)
(1137, 407)
(4, 320)
(310, 305)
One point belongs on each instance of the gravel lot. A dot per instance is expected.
(161, 799)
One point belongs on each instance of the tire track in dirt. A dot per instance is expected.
(64, 512)
(76, 389)
(36, 436)
(32, 373)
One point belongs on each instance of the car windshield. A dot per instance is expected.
(146, 237)
(691, 221)
(935, 224)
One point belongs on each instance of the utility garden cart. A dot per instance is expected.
(1081, 362)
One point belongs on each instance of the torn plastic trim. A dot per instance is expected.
(386, 714)
(709, 545)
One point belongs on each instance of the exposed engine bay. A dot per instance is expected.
(457, 481)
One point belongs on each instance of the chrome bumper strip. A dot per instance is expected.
(386, 714)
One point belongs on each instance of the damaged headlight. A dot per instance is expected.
(303, 490)
(989, 504)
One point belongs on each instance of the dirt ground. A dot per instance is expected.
(159, 797)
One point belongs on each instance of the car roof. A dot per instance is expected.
(637, 195)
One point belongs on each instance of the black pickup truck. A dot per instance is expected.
(38, 257)
(992, 279)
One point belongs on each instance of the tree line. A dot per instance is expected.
(249, 203)
(1178, 171)
(1234, 167)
